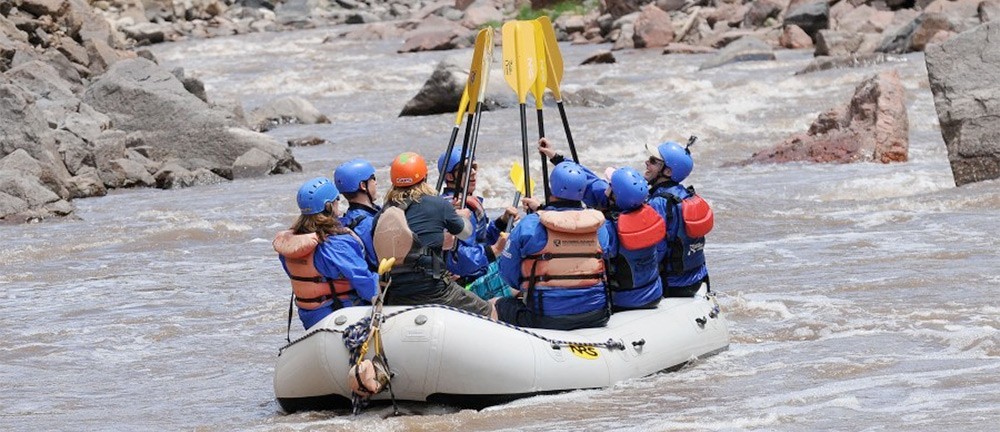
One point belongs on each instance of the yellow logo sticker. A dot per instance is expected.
(584, 351)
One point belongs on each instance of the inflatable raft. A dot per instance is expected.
(443, 355)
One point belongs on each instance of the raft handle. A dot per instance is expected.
(638, 344)
(701, 321)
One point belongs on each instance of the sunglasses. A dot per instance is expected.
(654, 160)
(461, 168)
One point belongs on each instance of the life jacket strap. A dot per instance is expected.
(551, 256)
(314, 279)
(544, 278)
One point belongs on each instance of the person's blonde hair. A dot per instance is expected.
(400, 195)
(323, 224)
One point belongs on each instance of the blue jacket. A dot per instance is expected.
(643, 265)
(529, 237)
(683, 263)
(472, 257)
(361, 219)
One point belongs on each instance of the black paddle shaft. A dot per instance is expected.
(524, 150)
(510, 222)
(469, 126)
(569, 135)
(545, 161)
(451, 145)
(473, 142)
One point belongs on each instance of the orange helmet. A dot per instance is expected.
(408, 169)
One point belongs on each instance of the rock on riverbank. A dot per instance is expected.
(81, 115)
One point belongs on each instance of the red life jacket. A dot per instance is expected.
(641, 228)
(698, 216)
(572, 256)
(310, 287)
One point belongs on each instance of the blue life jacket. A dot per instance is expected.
(634, 274)
(360, 219)
(685, 255)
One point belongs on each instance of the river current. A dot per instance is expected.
(861, 296)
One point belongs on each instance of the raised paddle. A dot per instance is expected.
(554, 74)
(519, 70)
(479, 76)
(538, 90)
(462, 105)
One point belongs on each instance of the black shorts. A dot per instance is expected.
(513, 311)
(450, 295)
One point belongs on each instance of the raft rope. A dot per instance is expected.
(355, 334)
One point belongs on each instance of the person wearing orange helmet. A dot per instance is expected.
(414, 227)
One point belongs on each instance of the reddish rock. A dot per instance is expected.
(653, 28)
(873, 127)
(794, 37)
(433, 33)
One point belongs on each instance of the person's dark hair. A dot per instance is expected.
(323, 224)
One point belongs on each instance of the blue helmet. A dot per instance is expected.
(349, 175)
(453, 159)
(629, 187)
(675, 157)
(568, 181)
(314, 194)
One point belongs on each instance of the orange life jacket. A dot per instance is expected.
(572, 256)
(641, 228)
(311, 288)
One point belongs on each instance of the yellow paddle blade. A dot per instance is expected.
(517, 177)
(538, 88)
(385, 265)
(519, 68)
(553, 58)
(487, 64)
(462, 106)
(472, 85)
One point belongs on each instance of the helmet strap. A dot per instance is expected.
(371, 200)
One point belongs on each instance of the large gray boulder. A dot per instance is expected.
(442, 91)
(964, 73)
(170, 124)
(285, 110)
(24, 128)
(746, 48)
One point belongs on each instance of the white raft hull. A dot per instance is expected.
(443, 356)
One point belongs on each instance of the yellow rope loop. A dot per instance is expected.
(362, 352)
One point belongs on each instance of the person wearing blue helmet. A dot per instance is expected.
(356, 180)
(323, 259)
(555, 258)
(472, 257)
(637, 243)
(688, 218)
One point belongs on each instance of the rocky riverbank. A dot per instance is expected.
(82, 114)
(85, 109)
